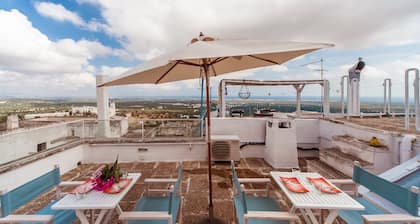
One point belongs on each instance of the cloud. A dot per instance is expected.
(19, 53)
(112, 71)
(60, 13)
(66, 84)
(30, 61)
(152, 27)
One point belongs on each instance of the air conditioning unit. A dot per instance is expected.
(225, 148)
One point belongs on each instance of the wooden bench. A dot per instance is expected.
(11, 200)
(406, 199)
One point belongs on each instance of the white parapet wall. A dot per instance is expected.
(247, 129)
(22, 143)
(146, 152)
(342, 143)
(307, 132)
(66, 160)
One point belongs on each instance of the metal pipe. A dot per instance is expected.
(387, 91)
(342, 92)
(416, 98)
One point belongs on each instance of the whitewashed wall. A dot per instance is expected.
(67, 160)
(146, 152)
(382, 160)
(23, 143)
(307, 132)
(248, 129)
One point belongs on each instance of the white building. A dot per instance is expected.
(93, 110)
(55, 114)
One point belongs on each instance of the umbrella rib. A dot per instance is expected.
(214, 70)
(218, 60)
(189, 63)
(263, 59)
(164, 74)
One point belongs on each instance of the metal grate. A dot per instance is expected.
(220, 150)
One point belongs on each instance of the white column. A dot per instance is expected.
(356, 97)
(353, 98)
(349, 98)
(102, 103)
(326, 100)
(299, 89)
(222, 93)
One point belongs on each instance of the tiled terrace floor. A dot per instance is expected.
(194, 185)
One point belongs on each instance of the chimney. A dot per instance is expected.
(12, 122)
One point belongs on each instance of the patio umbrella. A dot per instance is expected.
(213, 57)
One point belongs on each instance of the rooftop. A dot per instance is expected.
(393, 124)
(194, 184)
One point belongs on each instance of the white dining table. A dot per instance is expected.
(307, 203)
(95, 200)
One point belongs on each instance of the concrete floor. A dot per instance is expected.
(194, 185)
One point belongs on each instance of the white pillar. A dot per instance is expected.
(299, 89)
(353, 98)
(222, 93)
(326, 99)
(102, 102)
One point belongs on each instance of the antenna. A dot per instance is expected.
(321, 70)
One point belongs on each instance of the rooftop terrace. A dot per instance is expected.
(194, 185)
(394, 124)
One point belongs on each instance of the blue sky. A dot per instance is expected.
(55, 48)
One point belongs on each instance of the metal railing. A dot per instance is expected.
(166, 129)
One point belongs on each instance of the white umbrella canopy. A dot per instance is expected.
(208, 57)
(223, 56)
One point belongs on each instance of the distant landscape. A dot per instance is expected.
(188, 106)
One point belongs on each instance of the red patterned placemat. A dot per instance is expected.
(293, 184)
(323, 185)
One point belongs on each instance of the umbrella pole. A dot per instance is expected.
(205, 66)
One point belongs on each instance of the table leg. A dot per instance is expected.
(119, 210)
(92, 215)
(311, 216)
(101, 215)
(331, 217)
(82, 217)
(304, 215)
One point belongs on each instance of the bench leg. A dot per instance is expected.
(82, 217)
(331, 217)
(101, 215)
(311, 216)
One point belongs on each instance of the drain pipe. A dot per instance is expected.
(342, 92)
(387, 91)
(416, 98)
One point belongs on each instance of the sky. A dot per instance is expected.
(56, 48)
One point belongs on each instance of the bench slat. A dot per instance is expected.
(27, 218)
